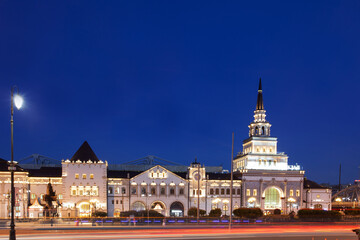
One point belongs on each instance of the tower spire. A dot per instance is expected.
(260, 103)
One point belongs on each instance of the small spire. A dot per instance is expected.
(260, 103)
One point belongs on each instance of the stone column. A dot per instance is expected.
(243, 193)
(260, 194)
(285, 196)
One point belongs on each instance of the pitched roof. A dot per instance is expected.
(84, 154)
(222, 176)
(45, 172)
(312, 184)
(4, 166)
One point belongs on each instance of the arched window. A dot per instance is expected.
(228, 191)
(138, 206)
(263, 131)
(272, 198)
(211, 191)
(256, 130)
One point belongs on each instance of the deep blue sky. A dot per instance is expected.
(175, 78)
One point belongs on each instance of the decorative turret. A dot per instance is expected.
(259, 127)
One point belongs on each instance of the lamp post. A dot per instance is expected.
(147, 208)
(18, 101)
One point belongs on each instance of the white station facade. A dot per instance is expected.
(84, 184)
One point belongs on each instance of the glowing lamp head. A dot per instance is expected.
(18, 101)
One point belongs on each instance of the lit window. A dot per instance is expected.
(254, 192)
(271, 150)
(33, 196)
(264, 150)
(76, 175)
(60, 196)
(42, 196)
(259, 161)
(247, 192)
(291, 193)
(298, 193)
(318, 196)
(91, 176)
(81, 192)
(84, 176)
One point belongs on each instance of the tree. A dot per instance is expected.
(248, 212)
(215, 212)
(99, 214)
(192, 212)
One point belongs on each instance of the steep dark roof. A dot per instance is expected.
(312, 184)
(4, 166)
(84, 153)
(45, 172)
(260, 103)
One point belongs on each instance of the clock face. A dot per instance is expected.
(196, 175)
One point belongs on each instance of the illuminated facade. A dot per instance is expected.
(85, 184)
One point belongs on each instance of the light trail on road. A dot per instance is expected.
(308, 232)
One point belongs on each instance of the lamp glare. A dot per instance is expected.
(18, 100)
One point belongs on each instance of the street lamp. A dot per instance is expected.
(147, 208)
(18, 101)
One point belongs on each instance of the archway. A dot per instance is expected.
(138, 206)
(272, 198)
(84, 209)
(176, 209)
(159, 207)
(318, 206)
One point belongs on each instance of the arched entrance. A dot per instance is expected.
(84, 209)
(159, 207)
(176, 209)
(272, 198)
(138, 206)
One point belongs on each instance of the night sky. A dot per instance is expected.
(175, 78)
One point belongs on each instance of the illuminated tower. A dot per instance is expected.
(260, 149)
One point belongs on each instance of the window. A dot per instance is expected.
(162, 191)
(225, 207)
(238, 191)
(117, 190)
(81, 192)
(211, 191)
(254, 192)
(247, 192)
(172, 191)
(73, 192)
(91, 176)
(228, 191)
(298, 193)
(233, 191)
(123, 190)
(153, 191)
(181, 192)
(112, 202)
(60, 196)
(222, 191)
(117, 201)
(42, 196)
(143, 190)
(95, 190)
(217, 191)
(110, 190)
(84, 176)
(33, 196)
(133, 190)
(76, 175)
(291, 192)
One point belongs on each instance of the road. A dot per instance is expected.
(266, 232)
